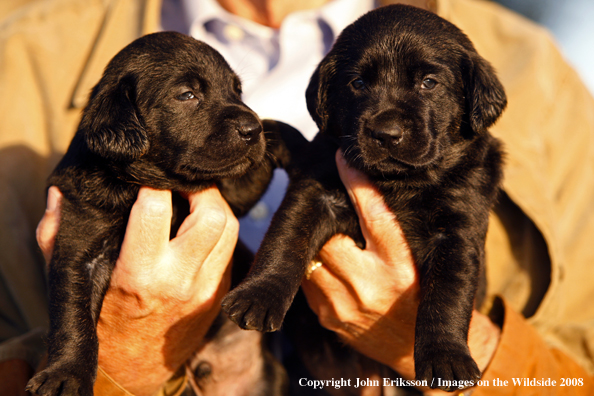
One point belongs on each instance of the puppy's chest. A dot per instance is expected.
(412, 206)
(426, 214)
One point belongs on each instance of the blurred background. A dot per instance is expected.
(570, 21)
(572, 25)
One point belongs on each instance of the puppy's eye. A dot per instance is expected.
(186, 96)
(429, 83)
(358, 84)
(237, 88)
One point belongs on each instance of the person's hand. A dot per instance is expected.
(164, 294)
(370, 297)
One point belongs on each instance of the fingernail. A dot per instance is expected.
(376, 208)
(52, 200)
(155, 207)
(213, 216)
(154, 203)
(341, 161)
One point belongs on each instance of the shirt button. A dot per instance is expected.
(233, 33)
(259, 212)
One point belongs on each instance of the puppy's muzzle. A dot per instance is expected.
(388, 135)
(249, 128)
(385, 129)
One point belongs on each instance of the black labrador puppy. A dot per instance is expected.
(168, 114)
(408, 100)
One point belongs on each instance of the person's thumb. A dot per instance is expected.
(48, 226)
(378, 223)
(147, 232)
(210, 217)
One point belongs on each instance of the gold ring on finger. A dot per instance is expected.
(314, 265)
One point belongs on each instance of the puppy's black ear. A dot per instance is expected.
(316, 94)
(111, 125)
(313, 99)
(485, 95)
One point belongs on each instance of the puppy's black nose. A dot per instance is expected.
(249, 130)
(387, 136)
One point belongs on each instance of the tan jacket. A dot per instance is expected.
(541, 239)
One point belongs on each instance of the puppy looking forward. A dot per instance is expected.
(408, 100)
(168, 114)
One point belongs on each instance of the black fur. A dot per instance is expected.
(168, 114)
(407, 99)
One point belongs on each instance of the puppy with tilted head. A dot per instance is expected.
(408, 100)
(167, 114)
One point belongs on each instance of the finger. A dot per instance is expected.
(364, 273)
(48, 226)
(378, 224)
(147, 232)
(201, 231)
(215, 269)
(327, 296)
(343, 258)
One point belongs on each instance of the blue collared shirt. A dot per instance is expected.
(274, 66)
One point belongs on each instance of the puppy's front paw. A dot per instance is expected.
(449, 369)
(58, 381)
(257, 305)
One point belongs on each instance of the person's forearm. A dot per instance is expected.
(142, 361)
(123, 361)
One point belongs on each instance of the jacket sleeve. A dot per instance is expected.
(106, 386)
(523, 357)
(548, 133)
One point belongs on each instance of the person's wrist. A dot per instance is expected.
(141, 354)
(483, 339)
